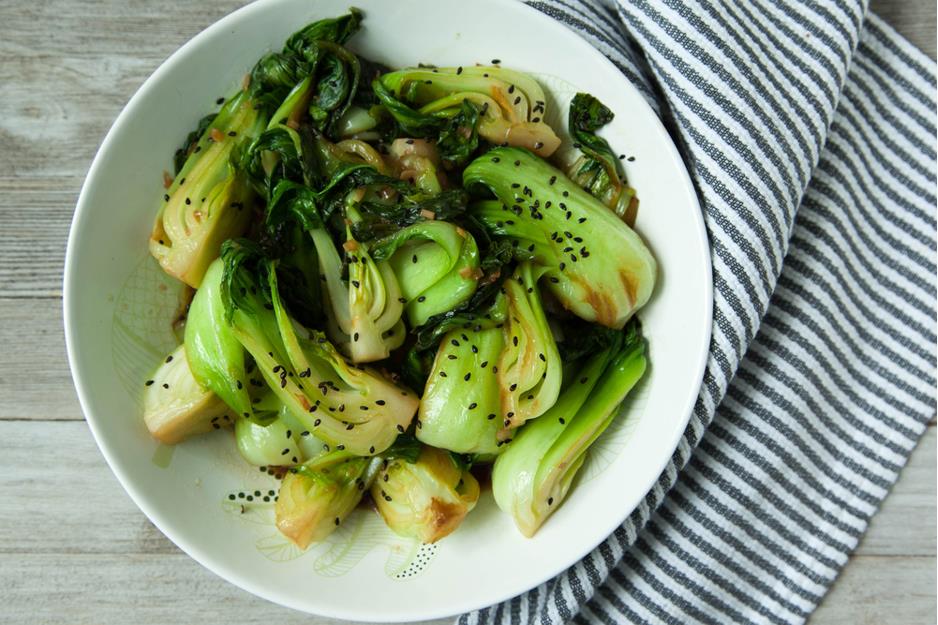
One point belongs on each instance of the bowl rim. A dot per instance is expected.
(136, 491)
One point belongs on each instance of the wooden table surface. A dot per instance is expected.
(73, 547)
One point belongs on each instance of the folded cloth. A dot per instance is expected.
(809, 131)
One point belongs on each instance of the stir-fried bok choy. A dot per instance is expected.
(397, 290)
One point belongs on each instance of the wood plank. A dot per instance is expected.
(905, 524)
(35, 382)
(877, 590)
(106, 28)
(914, 20)
(46, 589)
(35, 215)
(94, 548)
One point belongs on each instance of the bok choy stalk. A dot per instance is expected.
(274, 437)
(318, 495)
(313, 77)
(176, 406)
(215, 356)
(511, 105)
(532, 476)
(347, 407)
(367, 309)
(598, 170)
(461, 407)
(530, 371)
(208, 202)
(364, 312)
(426, 499)
(436, 265)
(596, 265)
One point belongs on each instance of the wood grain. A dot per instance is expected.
(73, 547)
(914, 20)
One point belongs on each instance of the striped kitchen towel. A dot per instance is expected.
(808, 127)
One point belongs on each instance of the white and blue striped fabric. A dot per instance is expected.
(808, 128)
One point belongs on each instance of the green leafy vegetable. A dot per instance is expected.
(596, 266)
(532, 476)
(176, 406)
(529, 369)
(208, 202)
(426, 499)
(511, 105)
(598, 170)
(215, 356)
(436, 265)
(347, 407)
(315, 498)
(461, 407)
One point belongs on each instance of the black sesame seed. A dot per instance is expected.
(165, 385)
(495, 159)
(542, 357)
(467, 376)
(188, 201)
(454, 342)
(458, 71)
(166, 197)
(496, 61)
(422, 298)
(148, 383)
(630, 159)
(517, 163)
(491, 416)
(231, 497)
(220, 101)
(356, 283)
(414, 259)
(550, 501)
(511, 88)
(518, 100)
(561, 421)
(472, 406)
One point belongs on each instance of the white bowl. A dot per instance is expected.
(118, 306)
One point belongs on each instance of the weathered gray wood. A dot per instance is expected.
(914, 20)
(905, 524)
(35, 382)
(46, 589)
(881, 591)
(91, 536)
